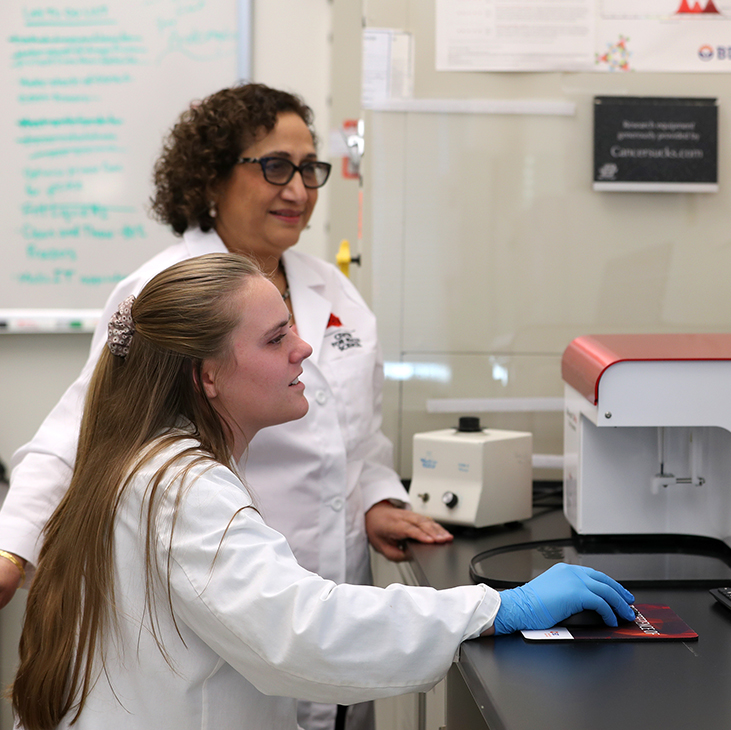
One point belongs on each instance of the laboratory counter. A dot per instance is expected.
(505, 683)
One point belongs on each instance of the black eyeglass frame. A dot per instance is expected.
(262, 161)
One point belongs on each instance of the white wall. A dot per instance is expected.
(291, 51)
(491, 252)
(291, 40)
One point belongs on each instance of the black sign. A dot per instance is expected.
(655, 144)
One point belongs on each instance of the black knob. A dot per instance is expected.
(469, 423)
(450, 499)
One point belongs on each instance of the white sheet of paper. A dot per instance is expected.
(584, 35)
(505, 35)
(553, 634)
(387, 66)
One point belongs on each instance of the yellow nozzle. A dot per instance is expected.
(343, 257)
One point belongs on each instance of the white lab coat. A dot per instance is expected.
(312, 479)
(257, 628)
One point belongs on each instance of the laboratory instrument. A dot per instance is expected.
(471, 475)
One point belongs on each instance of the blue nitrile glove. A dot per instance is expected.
(560, 592)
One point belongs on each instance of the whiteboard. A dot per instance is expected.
(89, 91)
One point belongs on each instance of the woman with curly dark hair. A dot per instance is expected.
(205, 145)
(239, 173)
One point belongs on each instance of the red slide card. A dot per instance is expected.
(652, 623)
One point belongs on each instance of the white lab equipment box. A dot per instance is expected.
(647, 436)
(473, 476)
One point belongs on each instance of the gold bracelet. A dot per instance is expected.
(16, 562)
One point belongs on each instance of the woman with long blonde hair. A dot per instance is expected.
(161, 597)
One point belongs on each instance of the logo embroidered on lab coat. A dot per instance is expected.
(344, 341)
(333, 322)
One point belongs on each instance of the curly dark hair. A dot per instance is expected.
(202, 148)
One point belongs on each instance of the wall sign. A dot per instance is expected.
(609, 36)
(655, 144)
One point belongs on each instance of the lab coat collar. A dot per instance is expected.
(199, 243)
(311, 308)
(307, 286)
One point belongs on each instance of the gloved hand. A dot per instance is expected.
(560, 592)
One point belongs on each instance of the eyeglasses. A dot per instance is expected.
(279, 171)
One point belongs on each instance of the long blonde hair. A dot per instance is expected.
(184, 315)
